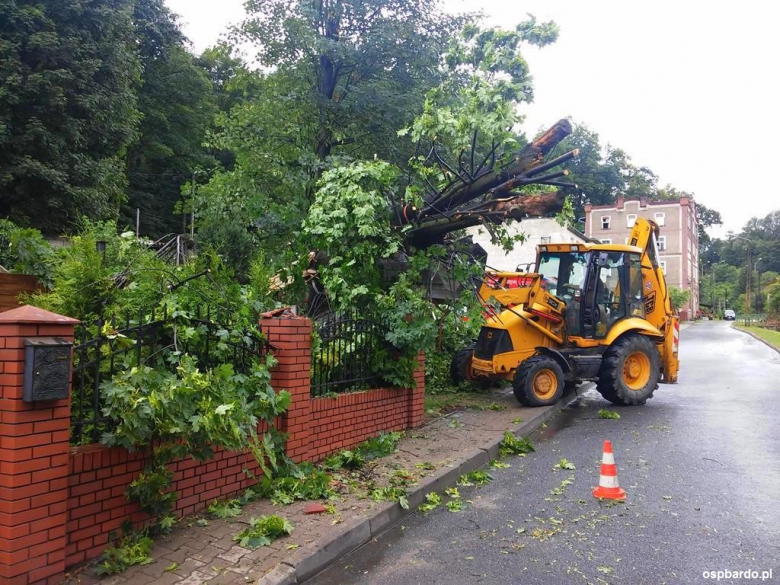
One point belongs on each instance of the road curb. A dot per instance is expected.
(756, 337)
(306, 564)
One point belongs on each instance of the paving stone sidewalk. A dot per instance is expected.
(193, 554)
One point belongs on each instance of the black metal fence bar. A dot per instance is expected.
(347, 352)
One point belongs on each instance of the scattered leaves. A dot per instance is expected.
(564, 464)
(132, 549)
(452, 492)
(511, 445)
(390, 494)
(478, 477)
(611, 414)
(263, 531)
(225, 508)
(432, 501)
(496, 464)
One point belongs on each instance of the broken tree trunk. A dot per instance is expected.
(486, 196)
(495, 211)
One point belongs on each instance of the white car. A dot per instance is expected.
(729, 315)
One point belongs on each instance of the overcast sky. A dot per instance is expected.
(685, 87)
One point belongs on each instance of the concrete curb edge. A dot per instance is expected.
(756, 337)
(305, 565)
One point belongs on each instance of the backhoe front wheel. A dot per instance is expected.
(538, 382)
(630, 371)
(460, 369)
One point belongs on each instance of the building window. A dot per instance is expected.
(662, 243)
(660, 218)
(546, 239)
(631, 220)
(662, 264)
(606, 241)
(605, 221)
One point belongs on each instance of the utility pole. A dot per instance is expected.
(748, 273)
(713, 296)
(137, 222)
(747, 286)
(192, 201)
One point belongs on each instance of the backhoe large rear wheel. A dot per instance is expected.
(538, 382)
(629, 371)
(460, 369)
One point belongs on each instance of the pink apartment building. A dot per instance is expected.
(678, 243)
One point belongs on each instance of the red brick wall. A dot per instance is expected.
(99, 476)
(59, 505)
(343, 422)
(320, 426)
(33, 458)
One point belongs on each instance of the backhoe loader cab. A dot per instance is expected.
(589, 312)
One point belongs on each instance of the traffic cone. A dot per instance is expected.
(608, 488)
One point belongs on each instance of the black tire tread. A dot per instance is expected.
(524, 370)
(460, 362)
(610, 383)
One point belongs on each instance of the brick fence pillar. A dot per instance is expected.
(34, 443)
(291, 335)
(417, 395)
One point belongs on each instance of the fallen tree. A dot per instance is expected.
(367, 230)
(486, 193)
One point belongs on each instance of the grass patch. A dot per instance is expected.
(768, 335)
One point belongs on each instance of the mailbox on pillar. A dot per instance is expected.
(46, 368)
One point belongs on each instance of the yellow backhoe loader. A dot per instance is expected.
(588, 312)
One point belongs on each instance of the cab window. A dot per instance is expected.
(563, 272)
(636, 302)
(610, 299)
(618, 290)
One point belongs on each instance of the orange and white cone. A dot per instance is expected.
(608, 482)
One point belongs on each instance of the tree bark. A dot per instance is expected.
(521, 206)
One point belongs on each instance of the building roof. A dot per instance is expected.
(580, 234)
(643, 202)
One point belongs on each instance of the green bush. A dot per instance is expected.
(679, 297)
(25, 251)
(458, 328)
(182, 407)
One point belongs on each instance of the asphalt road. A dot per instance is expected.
(700, 463)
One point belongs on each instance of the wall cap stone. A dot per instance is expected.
(30, 314)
